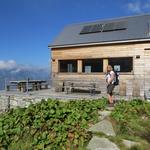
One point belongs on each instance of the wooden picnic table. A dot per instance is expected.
(25, 85)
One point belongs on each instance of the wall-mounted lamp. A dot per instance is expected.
(137, 56)
(52, 60)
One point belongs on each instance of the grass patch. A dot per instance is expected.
(131, 121)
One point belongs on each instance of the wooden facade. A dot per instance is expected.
(133, 83)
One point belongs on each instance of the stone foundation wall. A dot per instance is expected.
(13, 101)
(135, 87)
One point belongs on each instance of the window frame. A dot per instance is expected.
(59, 70)
(124, 72)
(101, 59)
(95, 73)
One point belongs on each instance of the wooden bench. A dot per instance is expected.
(70, 86)
(10, 87)
(14, 87)
(44, 86)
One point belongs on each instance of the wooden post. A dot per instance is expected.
(19, 87)
(8, 105)
(122, 89)
(79, 66)
(105, 64)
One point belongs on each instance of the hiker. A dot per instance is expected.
(110, 79)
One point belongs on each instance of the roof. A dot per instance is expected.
(104, 31)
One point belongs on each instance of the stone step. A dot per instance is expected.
(104, 114)
(99, 143)
(103, 126)
(110, 108)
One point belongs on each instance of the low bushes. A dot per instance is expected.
(49, 124)
(132, 119)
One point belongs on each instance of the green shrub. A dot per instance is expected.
(49, 124)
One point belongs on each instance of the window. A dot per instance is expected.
(92, 65)
(68, 66)
(124, 64)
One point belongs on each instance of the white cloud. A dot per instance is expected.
(15, 68)
(134, 7)
(139, 6)
(10, 64)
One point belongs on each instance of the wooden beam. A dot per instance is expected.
(105, 64)
(79, 65)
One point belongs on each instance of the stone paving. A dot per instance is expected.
(105, 126)
(16, 98)
(50, 93)
(100, 143)
(23, 99)
(104, 114)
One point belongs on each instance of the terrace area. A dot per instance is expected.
(13, 99)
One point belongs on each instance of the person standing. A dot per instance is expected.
(110, 79)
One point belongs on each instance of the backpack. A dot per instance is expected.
(116, 78)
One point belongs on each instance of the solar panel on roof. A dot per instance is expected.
(86, 29)
(91, 29)
(108, 27)
(113, 26)
(96, 28)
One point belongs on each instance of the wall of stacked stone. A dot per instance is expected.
(13, 101)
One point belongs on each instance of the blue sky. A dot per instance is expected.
(28, 26)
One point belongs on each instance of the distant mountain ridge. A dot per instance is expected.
(23, 73)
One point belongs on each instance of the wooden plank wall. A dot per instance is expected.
(147, 69)
(141, 66)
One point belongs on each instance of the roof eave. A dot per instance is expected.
(97, 43)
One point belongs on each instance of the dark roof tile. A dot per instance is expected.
(137, 27)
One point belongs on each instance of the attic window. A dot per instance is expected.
(95, 28)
